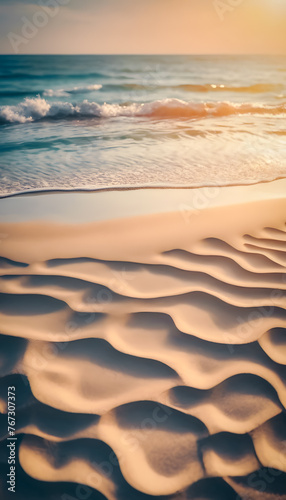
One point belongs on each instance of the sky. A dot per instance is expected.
(143, 26)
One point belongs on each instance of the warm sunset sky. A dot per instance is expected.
(143, 26)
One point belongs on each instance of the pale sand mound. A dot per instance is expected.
(148, 352)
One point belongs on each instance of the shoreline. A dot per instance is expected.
(35, 192)
(85, 207)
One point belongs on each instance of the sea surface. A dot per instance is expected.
(91, 122)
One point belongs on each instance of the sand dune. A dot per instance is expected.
(148, 354)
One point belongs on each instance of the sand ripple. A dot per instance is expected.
(148, 355)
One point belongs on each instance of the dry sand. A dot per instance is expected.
(148, 350)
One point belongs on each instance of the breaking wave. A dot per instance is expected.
(33, 109)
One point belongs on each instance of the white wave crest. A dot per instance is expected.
(74, 90)
(32, 109)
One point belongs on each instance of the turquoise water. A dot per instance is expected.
(101, 121)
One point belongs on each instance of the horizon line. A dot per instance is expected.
(148, 54)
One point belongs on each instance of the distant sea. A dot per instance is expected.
(91, 122)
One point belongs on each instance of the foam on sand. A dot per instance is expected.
(150, 349)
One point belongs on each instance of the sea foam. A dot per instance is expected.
(32, 109)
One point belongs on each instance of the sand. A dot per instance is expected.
(146, 341)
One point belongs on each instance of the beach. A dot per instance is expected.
(144, 334)
(92, 122)
(142, 250)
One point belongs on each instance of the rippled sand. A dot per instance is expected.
(148, 352)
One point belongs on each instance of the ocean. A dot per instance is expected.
(92, 122)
